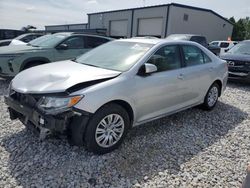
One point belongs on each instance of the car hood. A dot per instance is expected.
(14, 49)
(17, 42)
(58, 77)
(236, 57)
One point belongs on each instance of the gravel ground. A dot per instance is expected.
(193, 148)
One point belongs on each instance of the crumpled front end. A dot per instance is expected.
(25, 107)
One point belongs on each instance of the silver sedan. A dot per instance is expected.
(98, 97)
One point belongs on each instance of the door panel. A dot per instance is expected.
(197, 72)
(165, 90)
(159, 93)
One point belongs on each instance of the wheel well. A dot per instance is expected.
(26, 65)
(127, 107)
(220, 85)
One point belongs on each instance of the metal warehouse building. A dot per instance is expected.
(66, 27)
(161, 21)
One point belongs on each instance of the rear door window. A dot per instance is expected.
(194, 56)
(92, 42)
(76, 42)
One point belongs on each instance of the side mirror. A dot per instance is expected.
(226, 50)
(62, 47)
(147, 69)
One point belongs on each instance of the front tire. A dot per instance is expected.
(211, 97)
(107, 129)
(32, 64)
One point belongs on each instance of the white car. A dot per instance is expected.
(224, 45)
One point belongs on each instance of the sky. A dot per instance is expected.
(14, 14)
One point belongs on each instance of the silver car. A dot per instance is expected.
(101, 95)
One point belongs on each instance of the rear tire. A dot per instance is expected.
(107, 129)
(211, 97)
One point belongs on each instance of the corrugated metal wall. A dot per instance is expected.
(156, 21)
(198, 22)
(69, 27)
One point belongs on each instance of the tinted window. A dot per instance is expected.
(75, 42)
(5, 43)
(206, 58)
(215, 43)
(224, 44)
(92, 42)
(29, 38)
(200, 40)
(166, 58)
(194, 56)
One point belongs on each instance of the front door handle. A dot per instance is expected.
(181, 76)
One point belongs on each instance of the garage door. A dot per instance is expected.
(150, 26)
(118, 28)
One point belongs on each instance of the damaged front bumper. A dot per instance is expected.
(46, 123)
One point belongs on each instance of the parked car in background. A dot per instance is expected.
(22, 39)
(99, 96)
(5, 42)
(238, 59)
(48, 48)
(224, 45)
(195, 38)
(10, 33)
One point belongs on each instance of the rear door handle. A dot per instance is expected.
(181, 76)
(211, 69)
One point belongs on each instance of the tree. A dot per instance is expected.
(247, 27)
(241, 30)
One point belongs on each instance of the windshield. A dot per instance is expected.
(116, 55)
(47, 40)
(241, 48)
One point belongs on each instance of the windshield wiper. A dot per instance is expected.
(28, 44)
(74, 60)
(246, 53)
(90, 65)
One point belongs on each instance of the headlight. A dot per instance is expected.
(55, 105)
(10, 90)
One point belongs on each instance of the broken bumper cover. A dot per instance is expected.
(40, 119)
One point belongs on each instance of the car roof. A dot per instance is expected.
(186, 35)
(223, 41)
(155, 41)
(27, 34)
(83, 34)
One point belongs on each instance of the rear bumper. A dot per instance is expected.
(57, 123)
